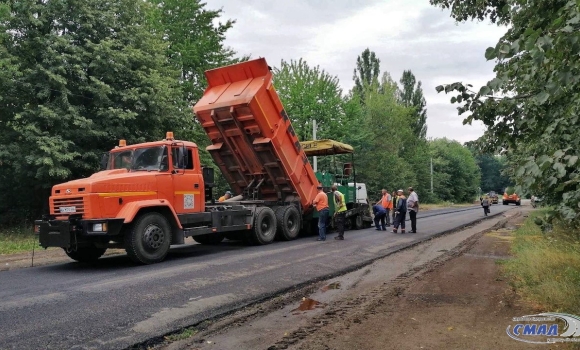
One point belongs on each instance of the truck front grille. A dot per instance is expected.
(69, 206)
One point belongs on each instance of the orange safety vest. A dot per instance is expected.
(387, 204)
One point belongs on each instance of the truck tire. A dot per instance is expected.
(86, 254)
(209, 239)
(288, 222)
(348, 224)
(149, 239)
(358, 222)
(518, 203)
(264, 229)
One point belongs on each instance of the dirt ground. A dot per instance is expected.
(462, 303)
(447, 293)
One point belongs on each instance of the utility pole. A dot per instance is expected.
(431, 174)
(314, 138)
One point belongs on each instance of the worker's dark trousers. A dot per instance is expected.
(413, 217)
(339, 222)
(388, 217)
(400, 220)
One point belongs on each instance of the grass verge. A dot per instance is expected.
(186, 333)
(16, 240)
(545, 269)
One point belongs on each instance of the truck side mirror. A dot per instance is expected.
(104, 161)
(182, 158)
(185, 158)
(208, 182)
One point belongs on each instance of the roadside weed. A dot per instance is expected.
(545, 269)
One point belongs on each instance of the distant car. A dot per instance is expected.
(511, 198)
(494, 197)
(535, 200)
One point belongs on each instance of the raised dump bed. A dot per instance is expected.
(252, 139)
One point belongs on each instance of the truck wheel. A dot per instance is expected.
(86, 254)
(264, 229)
(209, 239)
(518, 203)
(348, 224)
(149, 240)
(358, 222)
(288, 222)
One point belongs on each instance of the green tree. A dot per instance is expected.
(411, 95)
(194, 42)
(492, 176)
(456, 174)
(380, 151)
(81, 74)
(366, 72)
(309, 93)
(532, 105)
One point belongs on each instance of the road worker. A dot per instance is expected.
(227, 195)
(321, 204)
(387, 203)
(339, 211)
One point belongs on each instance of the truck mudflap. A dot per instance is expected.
(68, 233)
(54, 233)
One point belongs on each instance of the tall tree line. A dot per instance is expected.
(78, 75)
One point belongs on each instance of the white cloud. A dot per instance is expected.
(405, 34)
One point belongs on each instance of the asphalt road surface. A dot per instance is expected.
(114, 304)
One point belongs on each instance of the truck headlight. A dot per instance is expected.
(101, 227)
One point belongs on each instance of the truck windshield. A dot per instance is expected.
(140, 159)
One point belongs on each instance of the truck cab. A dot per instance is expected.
(171, 167)
(162, 179)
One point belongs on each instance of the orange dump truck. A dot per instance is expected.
(151, 195)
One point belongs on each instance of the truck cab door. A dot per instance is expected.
(187, 181)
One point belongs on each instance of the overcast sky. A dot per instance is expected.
(405, 34)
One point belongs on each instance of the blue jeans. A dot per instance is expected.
(381, 218)
(322, 219)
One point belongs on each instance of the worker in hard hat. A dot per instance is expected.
(227, 195)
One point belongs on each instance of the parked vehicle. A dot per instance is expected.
(358, 214)
(493, 197)
(151, 195)
(511, 198)
(534, 200)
